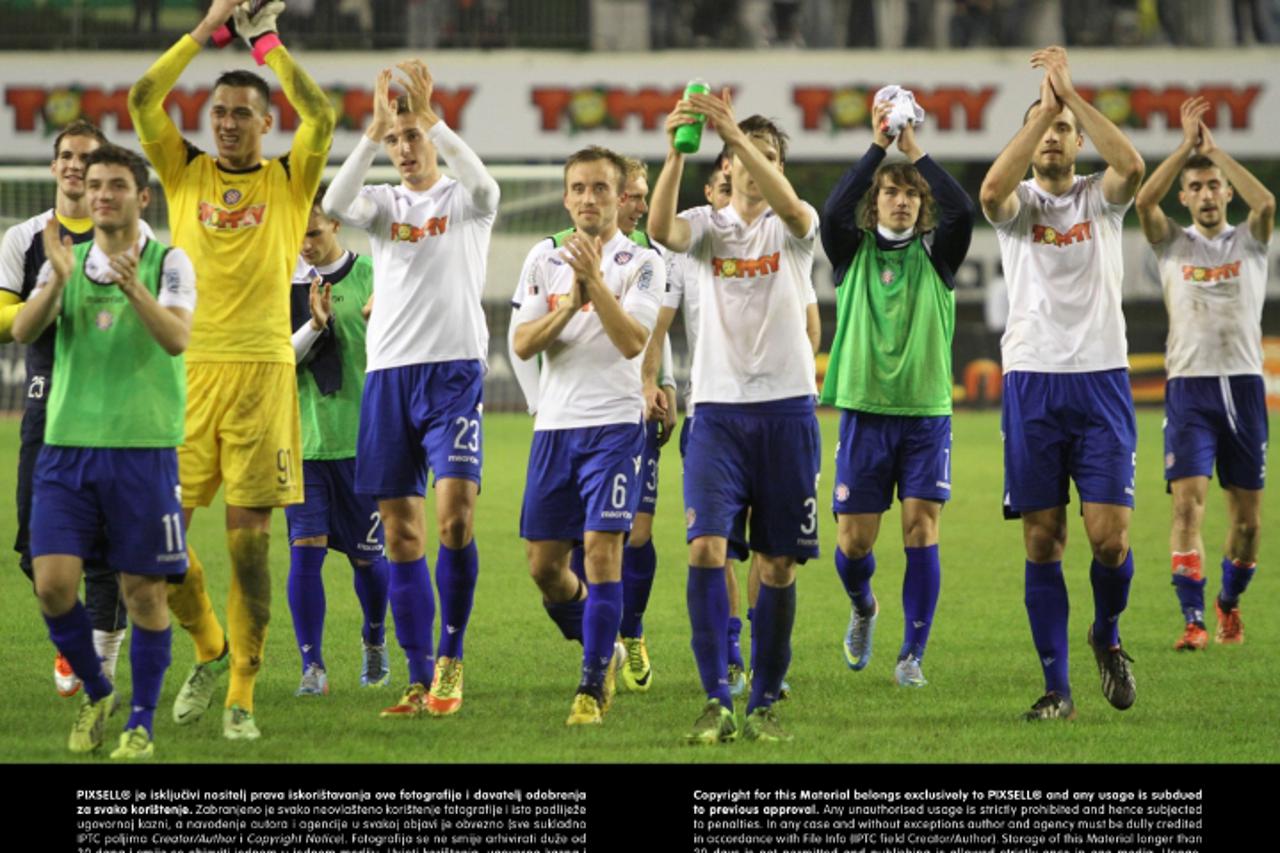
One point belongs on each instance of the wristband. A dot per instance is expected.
(263, 45)
(223, 35)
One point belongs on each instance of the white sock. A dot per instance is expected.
(107, 644)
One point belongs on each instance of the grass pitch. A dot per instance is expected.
(1219, 705)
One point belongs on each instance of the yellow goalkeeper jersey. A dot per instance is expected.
(242, 229)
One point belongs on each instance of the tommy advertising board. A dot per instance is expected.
(538, 106)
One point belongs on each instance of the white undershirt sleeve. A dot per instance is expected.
(467, 168)
(343, 200)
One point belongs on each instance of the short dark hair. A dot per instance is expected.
(904, 175)
(241, 79)
(758, 125)
(718, 166)
(1075, 120)
(114, 155)
(402, 105)
(317, 203)
(79, 127)
(1196, 162)
(595, 153)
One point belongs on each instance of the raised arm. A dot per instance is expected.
(664, 226)
(1124, 163)
(160, 138)
(342, 200)
(773, 184)
(1261, 201)
(466, 166)
(998, 197)
(1155, 225)
(956, 213)
(314, 136)
(839, 229)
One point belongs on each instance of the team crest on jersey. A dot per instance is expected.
(622, 258)
(232, 196)
(105, 320)
(842, 492)
(1077, 233)
(231, 220)
(745, 267)
(886, 277)
(690, 517)
(433, 227)
(1208, 275)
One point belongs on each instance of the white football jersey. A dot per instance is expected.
(1063, 263)
(429, 253)
(585, 381)
(1213, 290)
(750, 285)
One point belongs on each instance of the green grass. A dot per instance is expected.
(1216, 706)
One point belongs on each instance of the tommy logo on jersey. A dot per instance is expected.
(1207, 275)
(231, 220)
(433, 227)
(1077, 233)
(745, 267)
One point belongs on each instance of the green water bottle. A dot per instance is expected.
(689, 136)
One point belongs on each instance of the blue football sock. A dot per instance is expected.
(578, 562)
(1047, 608)
(856, 577)
(371, 583)
(735, 642)
(1190, 598)
(639, 565)
(72, 634)
(775, 617)
(1110, 597)
(708, 602)
(568, 614)
(456, 572)
(149, 655)
(1188, 585)
(306, 600)
(1235, 580)
(920, 586)
(414, 608)
(600, 626)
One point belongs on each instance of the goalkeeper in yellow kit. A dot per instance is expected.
(240, 219)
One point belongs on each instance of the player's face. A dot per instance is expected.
(238, 118)
(719, 190)
(743, 183)
(320, 243)
(68, 166)
(1206, 194)
(897, 206)
(410, 151)
(591, 196)
(1056, 151)
(633, 205)
(115, 201)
